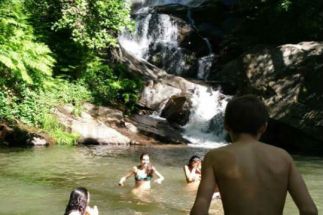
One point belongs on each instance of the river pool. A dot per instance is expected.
(38, 181)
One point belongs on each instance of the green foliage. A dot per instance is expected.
(279, 22)
(111, 85)
(285, 4)
(52, 127)
(20, 53)
(94, 23)
(84, 29)
(33, 106)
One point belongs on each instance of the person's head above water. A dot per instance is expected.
(245, 114)
(144, 159)
(194, 160)
(79, 199)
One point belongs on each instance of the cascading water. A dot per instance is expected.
(205, 126)
(204, 63)
(156, 41)
(204, 66)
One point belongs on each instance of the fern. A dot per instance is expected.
(20, 52)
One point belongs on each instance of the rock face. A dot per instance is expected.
(92, 124)
(289, 79)
(159, 128)
(177, 110)
(22, 135)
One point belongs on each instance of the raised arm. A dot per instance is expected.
(124, 178)
(299, 192)
(160, 177)
(188, 174)
(206, 188)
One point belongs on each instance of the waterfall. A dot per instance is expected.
(156, 40)
(205, 126)
(205, 62)
(204, 66)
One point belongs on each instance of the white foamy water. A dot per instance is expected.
(205, 127)
(155, 39)
(135, 43)
(150, 30)
(204, 66)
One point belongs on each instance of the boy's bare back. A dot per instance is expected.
(252, 177)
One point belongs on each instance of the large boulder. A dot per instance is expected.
(289, 79)
(177, 110)
(19, 134)
(93, 125)
(157, 93)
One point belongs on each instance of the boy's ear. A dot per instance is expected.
(263, 128)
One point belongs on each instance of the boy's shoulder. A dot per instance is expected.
(263, 148)
(275, 151)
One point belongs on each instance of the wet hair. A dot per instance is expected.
(245, 114)
(193, 159)
(143, 154)
(150, 170)
(78, 201)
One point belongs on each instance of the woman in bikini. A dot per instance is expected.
(193, 170)
(193, 175)
(143, 174)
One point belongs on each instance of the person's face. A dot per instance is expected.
(196, 164)
(145, 160)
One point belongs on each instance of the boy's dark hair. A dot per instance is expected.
(245, 114)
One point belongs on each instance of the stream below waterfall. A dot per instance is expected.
(38, 181)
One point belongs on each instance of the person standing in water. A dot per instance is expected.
(78, 203)
(192, 170)
(253, 177)
(143, 174)
(193, 175)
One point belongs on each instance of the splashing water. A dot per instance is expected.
(156, 40)
(205, 126)
(204, 66)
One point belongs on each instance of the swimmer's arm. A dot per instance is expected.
(205, 190)
(160, 177)
(124, 178)
(92, 211)
(189, 175)
(299, 192)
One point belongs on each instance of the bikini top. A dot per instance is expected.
(141, 175)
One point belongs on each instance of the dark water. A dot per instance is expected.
(38, 180)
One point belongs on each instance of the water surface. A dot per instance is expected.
(38, 180)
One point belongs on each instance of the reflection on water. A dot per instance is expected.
(39, 180)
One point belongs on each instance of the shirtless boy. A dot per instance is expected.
(253, 177)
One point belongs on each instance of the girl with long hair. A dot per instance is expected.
(78, 203)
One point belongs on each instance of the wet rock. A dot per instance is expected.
(92, 125)
(155, 93)
(159, 128)
(289, 79)
(38, 141)
(22, 135)
(177, 110)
